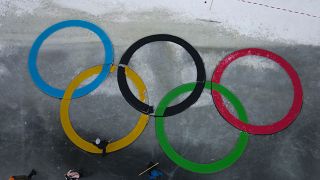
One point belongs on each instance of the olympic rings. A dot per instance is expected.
(173, 110)
(58, 93)
(162, 110)
(66, 123)
(253, 129)
(227, 161)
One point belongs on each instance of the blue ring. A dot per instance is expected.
(58, 93)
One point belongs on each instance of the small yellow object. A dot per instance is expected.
(116, 145)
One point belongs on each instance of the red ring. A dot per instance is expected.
(254, 129)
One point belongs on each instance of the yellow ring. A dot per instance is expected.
(88, 146)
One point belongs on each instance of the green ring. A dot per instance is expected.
(219, 165)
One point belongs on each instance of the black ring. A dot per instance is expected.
(172, 110)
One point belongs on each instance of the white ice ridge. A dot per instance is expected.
(253, 18)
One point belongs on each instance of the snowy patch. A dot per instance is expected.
(296, 22)
(258, 63)
(4, 71)
(19, 7)
(237, 16)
